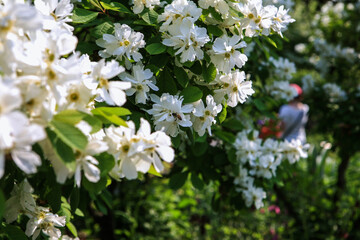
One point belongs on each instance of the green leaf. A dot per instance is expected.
(166, 83)
(83, 16)
(196, 68)
(222, 115)
(118, 111)
(155, 48)
(191, 94)
(54, 197)
(72, 228)
(260, 105)
(74, 199)
(106, 163)
(15, 233)
(115, 6)
(71, 135)
(73, 117)
(215, 14)
(178, 180)
(152, 171)
(150, 16)
(209, 73)
(96, 4)
(270, 41)
(214, 30)
(2, 204)
(111, 114)
(95, 187)
(63, 151)
(196, 181)
(181, 76)
(100, 30)
(226, 136)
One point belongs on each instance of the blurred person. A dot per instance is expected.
(294, 117)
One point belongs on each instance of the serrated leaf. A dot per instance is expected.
(115, 6)
(96, 4)
(196, 181)
(69, 134)
(214, 30)
(181, 76)
(83, 16)
(155, 48)
(178, 180)
(191, 94)
(209, 73)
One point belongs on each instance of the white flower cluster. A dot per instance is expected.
(281, 90)
(22, 201)
(334, 92)
(328, 53)
(169, 114)
(43, 76)
(283, 68)
(308, 83)
(258, 158)
(124, 43)
(136, 152)
(139, 5)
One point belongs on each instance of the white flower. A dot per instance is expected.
(203, 117)
(282, 90)
(224, 54)
(57, 13)
(188, 39)
(308, 83)
(43, 219)
(247, 149)
(85, 160)
(125, 42)
(110, 91)
(177, 11)
(136, 152)
(140, 4)
(256, 18)
(293, 150)
(220, 5)
(284, 69)
(281, 20)
(141, 81)
(155, 146)
(169, 114)
(254, 195)
(234, 86)
(334, 92)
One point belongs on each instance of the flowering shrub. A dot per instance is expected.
(96, 91)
